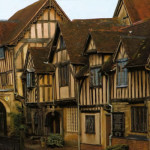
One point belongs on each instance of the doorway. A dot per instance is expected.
(52, 122)
(3, 127)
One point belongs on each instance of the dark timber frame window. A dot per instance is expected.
(62, 43)
(64, 75)
(30, 79)
(90, 124)
(96, 77)
(3, 79)
(2, 53)
(139, 119)
(122, 73)
(118, 128)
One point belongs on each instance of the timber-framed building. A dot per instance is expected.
(86, 79)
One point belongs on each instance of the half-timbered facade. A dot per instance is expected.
(33, 26)
(38, 91)
(70, 63)
(94, 96)
(130, 93)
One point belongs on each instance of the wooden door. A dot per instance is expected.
(53, 122)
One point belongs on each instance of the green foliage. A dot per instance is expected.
(18, 121)
(118, 147)
(55, 140)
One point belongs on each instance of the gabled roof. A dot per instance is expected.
(141, 28)
(39, 56)
(140, 57)
(76, 32)
(137, 9)
(132, 44)
(28, 15)
(105, 41)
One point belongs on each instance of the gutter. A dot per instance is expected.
(109, 104)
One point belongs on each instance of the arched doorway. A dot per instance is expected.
(52, 122)
(3, 126)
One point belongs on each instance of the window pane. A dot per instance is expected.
(122, 73)
(1, 52)
(95, 77)
(90, 124)
(64, 75)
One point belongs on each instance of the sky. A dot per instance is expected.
(75, 9)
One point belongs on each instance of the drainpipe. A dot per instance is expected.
(78, 102)
(108, 97)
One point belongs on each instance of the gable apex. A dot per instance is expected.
(28, 15)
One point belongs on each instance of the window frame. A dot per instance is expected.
(136, 120)
(122, 81)
(3, 79)
(30, 80)
(62, 43)
(118, 123)
(97, 77)
(87, 126)
(72, 119)
(64, 75)
(2, 49)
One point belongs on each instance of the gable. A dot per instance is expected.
(32, 14)
(121, 54)
(91, 45)
(132, 10)
(121, 13)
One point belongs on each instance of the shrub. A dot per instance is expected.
(118, 147)
(18, 122)
(55, 140)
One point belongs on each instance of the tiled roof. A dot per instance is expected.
(76, 33)
(137, 9)
(39, 56)
(26, 16)
(6, 27)
(141, 55)
(141, 28)
(132, 44)
(106, 41)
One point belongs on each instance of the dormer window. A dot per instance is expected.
(122, 73)
(62, 43)
(2, 53)
(30, 79)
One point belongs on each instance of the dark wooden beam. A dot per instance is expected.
(37, 40)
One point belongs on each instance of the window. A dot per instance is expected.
(64, 75)
(62, 43)
(30, 79)
(96, 77)
(118, 119)
(2, 53)
(90, 124)
(139, 119)
(72, 120)
(3, 79)
(122, 72)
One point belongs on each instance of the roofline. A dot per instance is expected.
(118, 4)
(34, 16)
(115, 13)
(115, 54)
